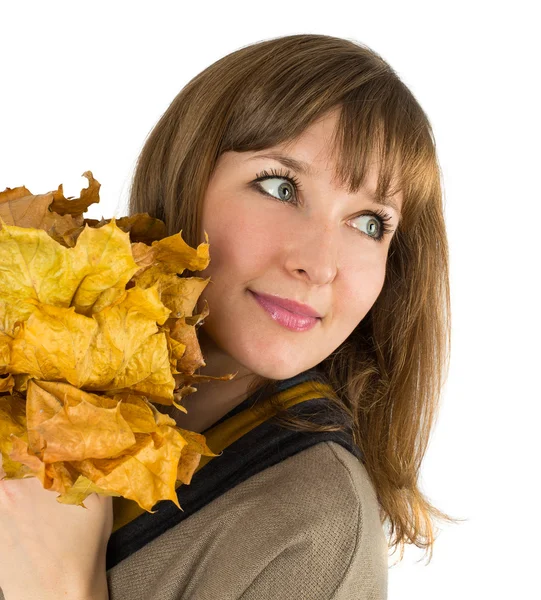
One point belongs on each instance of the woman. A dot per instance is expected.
(312, 169)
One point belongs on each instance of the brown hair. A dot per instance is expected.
(389, 373)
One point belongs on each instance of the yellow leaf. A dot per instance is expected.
(101, 259)
(80, 490)
(96, 327)
(191, 455)
(137, 413)
(19, 207)
(83, 426)
(116, 348)
(173, 255)
(180, 294)
(34, 267)
(54, 343)
(12, 423)
(8, 382)
(5, 350)
(143, 228)
(145, 474)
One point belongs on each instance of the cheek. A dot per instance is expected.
(361, 285)
(241, 240)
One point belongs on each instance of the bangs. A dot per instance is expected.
(380, 122)
(369, 133)
(383, 135)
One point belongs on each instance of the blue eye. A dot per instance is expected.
(380, 217)
(283, 193)
(282, 190)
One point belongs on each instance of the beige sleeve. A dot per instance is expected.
(340, 553)
(305, 528)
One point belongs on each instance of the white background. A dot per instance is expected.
(83, 83)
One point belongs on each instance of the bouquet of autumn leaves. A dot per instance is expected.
(96, 327)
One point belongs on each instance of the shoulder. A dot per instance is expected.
(325, 476)
(305, 527)
(325, 506)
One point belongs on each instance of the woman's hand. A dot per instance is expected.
(49, 549)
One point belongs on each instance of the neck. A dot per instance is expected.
(213, 399)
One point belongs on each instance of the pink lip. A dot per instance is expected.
(295, 307)
(281, 315)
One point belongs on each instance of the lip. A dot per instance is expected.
(294, 307)
(285, 317)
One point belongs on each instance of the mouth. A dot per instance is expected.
(284, 317)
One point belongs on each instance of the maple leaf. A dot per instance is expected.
(96, 327)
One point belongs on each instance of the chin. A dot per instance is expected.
(272, 370)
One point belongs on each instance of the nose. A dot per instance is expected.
(314, 254)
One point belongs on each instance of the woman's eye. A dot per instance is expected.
(278, 187)
(284, 187)
(371, 223)
(376, 225)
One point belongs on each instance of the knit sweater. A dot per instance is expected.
(279, 514)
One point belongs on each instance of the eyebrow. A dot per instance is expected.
(304, 169)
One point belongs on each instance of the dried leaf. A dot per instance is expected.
(118, 347)
(96, 326)
(80, 490)
(90, 195)
(83, 425)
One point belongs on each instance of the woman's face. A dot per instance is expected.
(313, 248)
